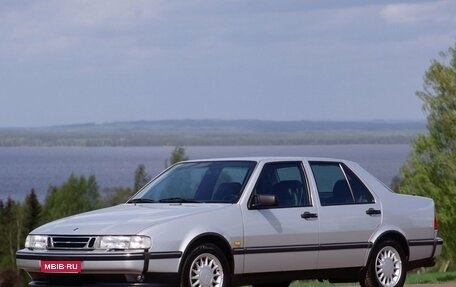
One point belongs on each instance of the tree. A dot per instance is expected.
(76, 195)
(430, 169)
(32, 212)
(11, 226)
(118, 195)
(177, 155)
(141, 177)
(3, 239)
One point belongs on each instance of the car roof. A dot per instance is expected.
(270, 159)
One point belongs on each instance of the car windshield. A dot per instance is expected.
(196, 182)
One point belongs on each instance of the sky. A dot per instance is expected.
(98, 61)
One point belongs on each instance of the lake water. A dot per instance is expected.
(24, 168)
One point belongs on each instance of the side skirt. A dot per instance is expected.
(333, 275)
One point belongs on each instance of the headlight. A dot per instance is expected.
(125, 242)
(36, 242)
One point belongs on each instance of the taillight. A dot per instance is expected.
(436, 222)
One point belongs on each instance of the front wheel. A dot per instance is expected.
(205, 266)
(386, 267)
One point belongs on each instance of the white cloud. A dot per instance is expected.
(86, 18)
(434, 11)
(83, 30)
(108, 14)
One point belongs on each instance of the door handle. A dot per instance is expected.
(372, 211)
(309, 215)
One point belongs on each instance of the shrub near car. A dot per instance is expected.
(237, 221)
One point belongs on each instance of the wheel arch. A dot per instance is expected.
(390, 235)
(213, 238)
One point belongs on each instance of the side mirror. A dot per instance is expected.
(263, 201)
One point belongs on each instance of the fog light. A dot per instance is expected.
(140, 278)
(131, 278)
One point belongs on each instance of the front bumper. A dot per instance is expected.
(110, 267)
(91, 262)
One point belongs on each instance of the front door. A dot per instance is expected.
(283, 236)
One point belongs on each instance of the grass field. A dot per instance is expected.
(431, 277)
(412, 278)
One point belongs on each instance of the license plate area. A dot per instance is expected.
(61, 266)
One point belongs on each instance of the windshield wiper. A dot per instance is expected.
(178, 200)
(141, 200)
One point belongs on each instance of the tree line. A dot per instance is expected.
(76, 195)
(204, 137)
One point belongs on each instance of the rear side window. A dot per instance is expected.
(360, 192)
(338, 185)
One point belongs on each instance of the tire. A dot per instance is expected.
(205, 266)
(386, 267)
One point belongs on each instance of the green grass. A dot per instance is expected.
(412, 278)
(313, 284)
(431, 277)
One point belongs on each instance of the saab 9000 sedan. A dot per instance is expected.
(237, 221)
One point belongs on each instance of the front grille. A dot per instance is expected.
(71, 242)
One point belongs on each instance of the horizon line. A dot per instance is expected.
(386, 121)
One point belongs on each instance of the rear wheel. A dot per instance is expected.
(386, 267)
(205, 266)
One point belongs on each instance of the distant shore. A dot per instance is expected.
(214, 133)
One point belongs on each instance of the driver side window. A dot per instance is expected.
(286, 181)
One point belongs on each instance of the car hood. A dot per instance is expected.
(125, 219)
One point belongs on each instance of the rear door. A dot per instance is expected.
(348, 215)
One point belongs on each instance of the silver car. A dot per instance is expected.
(238, 221)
